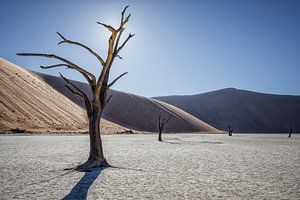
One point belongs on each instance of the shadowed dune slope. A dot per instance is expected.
(28, 103)
(248, 111)
(135, 112)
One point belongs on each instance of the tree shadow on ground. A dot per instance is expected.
(80, 190)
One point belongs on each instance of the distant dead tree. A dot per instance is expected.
(230, 129)
(291, 130)
(99, 86)
(162, 121)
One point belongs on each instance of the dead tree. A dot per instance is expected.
(230, 129)
(99, 86)
(162, 121)
(291, 130)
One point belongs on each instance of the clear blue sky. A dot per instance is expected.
(180, 47)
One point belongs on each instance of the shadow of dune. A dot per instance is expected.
(80, 190)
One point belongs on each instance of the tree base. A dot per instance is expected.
(91, 164)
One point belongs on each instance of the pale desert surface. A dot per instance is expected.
(185, 166)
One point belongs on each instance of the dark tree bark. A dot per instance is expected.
(162, 121)
(99, 86)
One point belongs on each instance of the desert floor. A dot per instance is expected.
(185, 166)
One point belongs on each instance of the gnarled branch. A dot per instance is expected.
(64, 40)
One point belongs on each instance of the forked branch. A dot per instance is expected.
(121, 29)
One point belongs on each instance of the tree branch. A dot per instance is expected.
(80, 93)
(166, 121)
(121, 29)
(74, 92)
(108, 99)
(116, 79)
(53, 66)
(64, 40)
(89, 77)
(123, 22)
(109, 27)
(129, 36)
(118, 56)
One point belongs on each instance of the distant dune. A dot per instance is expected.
(28, 103)
(248, 111)
(135, 112)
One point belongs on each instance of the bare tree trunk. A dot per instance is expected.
(291, 130)
(162, 121)
(96, 156)
(159, 135)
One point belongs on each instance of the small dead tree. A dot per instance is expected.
(99, 86)
(230, 129)
(291, 130)
(162, 121)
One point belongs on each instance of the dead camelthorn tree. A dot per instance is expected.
(162, 121)
(99, 86)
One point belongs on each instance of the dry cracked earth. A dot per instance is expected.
(184, 166)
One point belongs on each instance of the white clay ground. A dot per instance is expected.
(185, 166)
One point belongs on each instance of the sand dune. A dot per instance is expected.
(135, 112)
(27, 102)
(248, 111)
